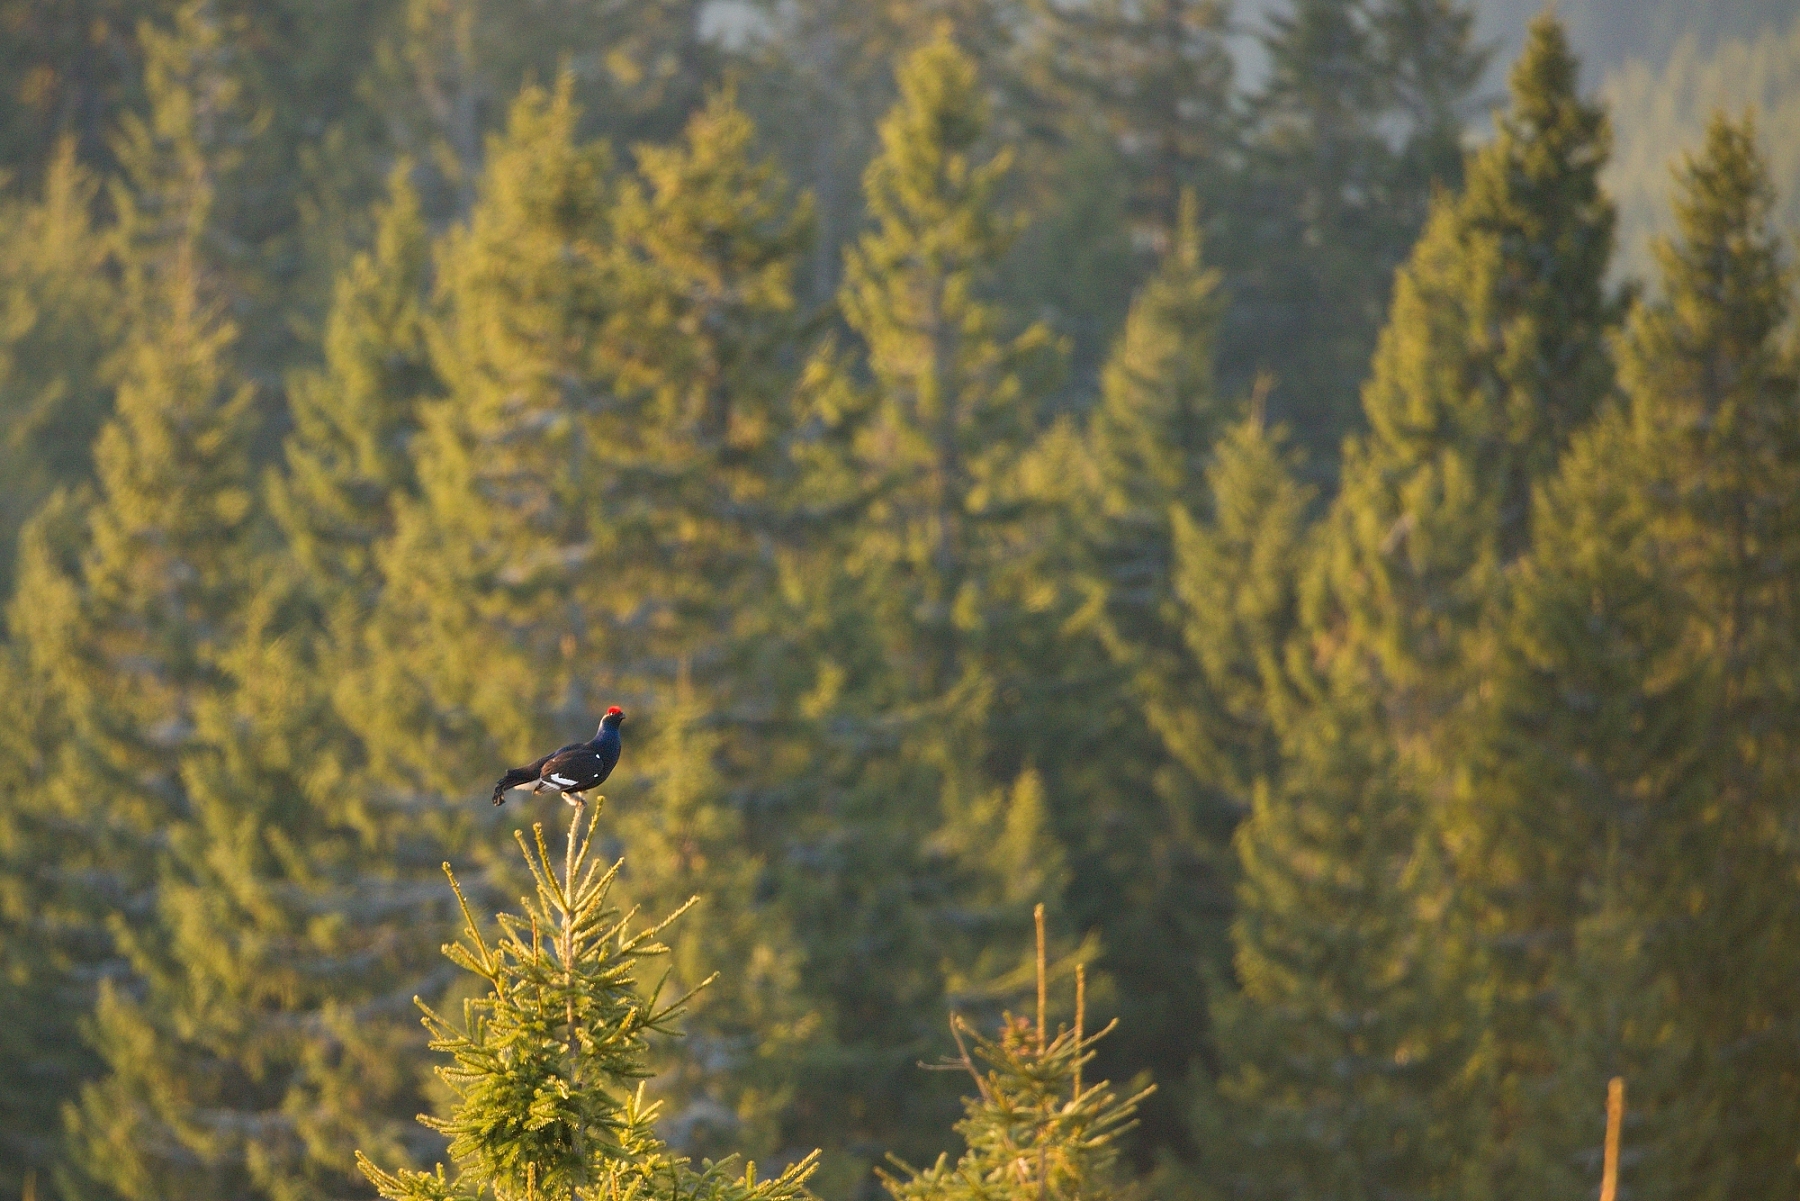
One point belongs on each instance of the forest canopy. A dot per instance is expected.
(1219, 523)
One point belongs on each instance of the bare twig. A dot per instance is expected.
(1080, 1019)
(1043, 1166)
(963, 1062)
(1615, 1117)
(1038, 915)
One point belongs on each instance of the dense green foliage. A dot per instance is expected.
(997, 458)
(1650, 606)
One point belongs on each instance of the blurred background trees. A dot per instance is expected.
(1181, 462)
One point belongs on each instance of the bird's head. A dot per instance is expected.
(615, 717)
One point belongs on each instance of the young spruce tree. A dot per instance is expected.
(128, 595)
(549, 1063)
(1337, 1063)
(1033, 1131)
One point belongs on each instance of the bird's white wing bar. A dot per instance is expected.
(562, 780)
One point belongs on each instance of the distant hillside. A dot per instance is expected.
(1610, 33)
(1607, 33)
(1664, 66)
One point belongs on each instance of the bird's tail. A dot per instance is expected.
(512, 779)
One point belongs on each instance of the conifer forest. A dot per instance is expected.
(1206, 592)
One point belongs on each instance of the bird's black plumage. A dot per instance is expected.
(573, 769)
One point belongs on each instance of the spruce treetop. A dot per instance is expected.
(709, 238)
(1544, 89)
(346, 459)
(1725, 284)
(1159, 412)
(547, 1066)
(934, 214)
(1033, 1130)
(1536, 191)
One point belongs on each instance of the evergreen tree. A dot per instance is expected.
(1211, 682)
(1650, 613)
(260, 1047)
(548, 1062)
(1495, 352)
(1032, 1129)
(128, 640)
(951, 409)
(126, 627)
(58, 329)
(1154, 79)
(1340, 1047)
(510, 500)
(1126, 484)
(347, 457)
(48, 939)
(1328, 202)
(1150, 440)
(923, 784)
(58, 334)
(127, 598)
(1222, 704)
(701, 341)
(1158, 418)
(130, 643)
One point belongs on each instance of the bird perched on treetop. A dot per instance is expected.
(575, 768)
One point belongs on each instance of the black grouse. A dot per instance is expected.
(575, 768)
